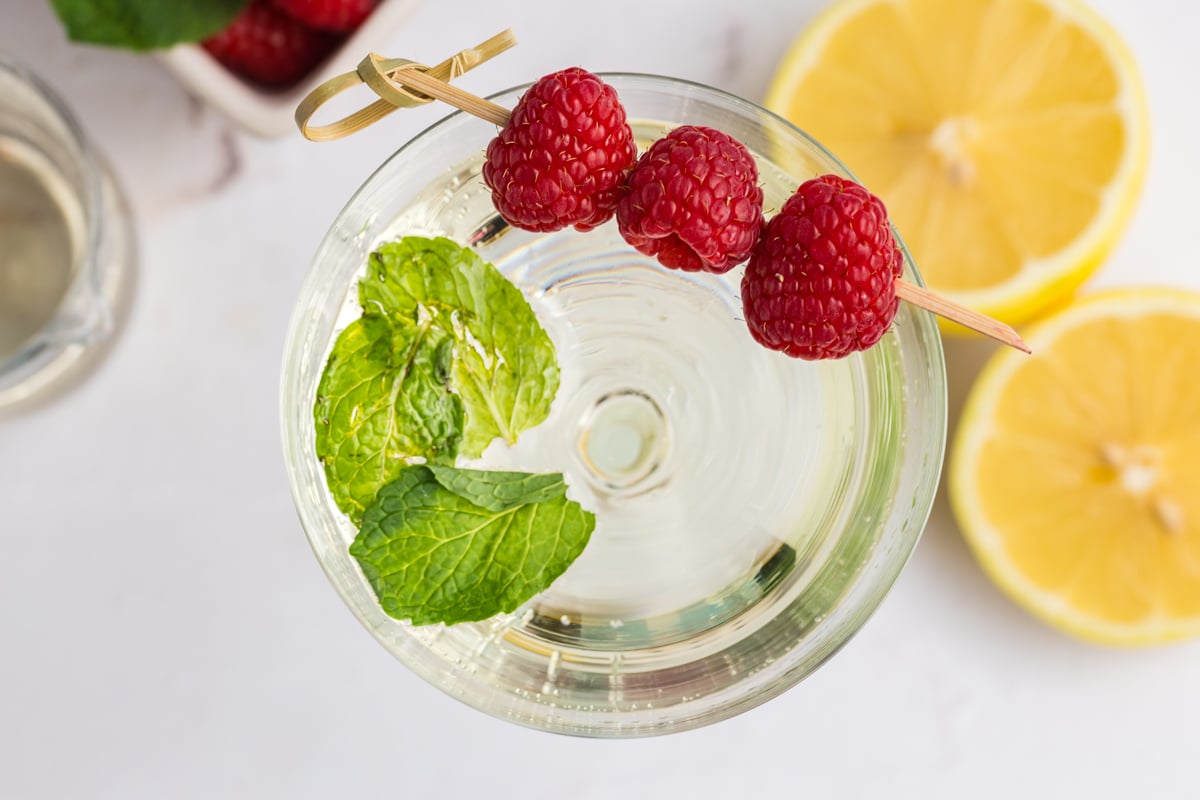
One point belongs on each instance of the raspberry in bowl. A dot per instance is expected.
(751, 509)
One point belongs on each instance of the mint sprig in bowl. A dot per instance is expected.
(144, 25)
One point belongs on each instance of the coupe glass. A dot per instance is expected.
(752, 510)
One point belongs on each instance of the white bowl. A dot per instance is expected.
(266, 112)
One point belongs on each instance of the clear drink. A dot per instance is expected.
(751, 509)
(64, 239)
(41, 232)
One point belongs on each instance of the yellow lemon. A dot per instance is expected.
(1075, 472)
(1008, 138)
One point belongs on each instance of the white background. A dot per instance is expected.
(166, 633)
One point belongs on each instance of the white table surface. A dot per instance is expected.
(166, 633)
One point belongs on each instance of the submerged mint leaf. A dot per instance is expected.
(504, 366)
(144, 24)
(433, 555)
(383, 399)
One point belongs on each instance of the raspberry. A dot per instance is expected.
(562, 158)
(694, 201)
(340, 16)
(822, 281)
(269, 47)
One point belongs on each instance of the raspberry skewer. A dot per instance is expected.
(794, 315)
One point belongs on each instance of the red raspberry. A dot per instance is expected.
(694, 201)
(340, 16)
(269, 47)
(562, 158)
(822, 281)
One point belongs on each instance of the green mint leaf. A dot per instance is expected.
(499, 491)
(384, 399)
(504, 366)
(144, 24)
(447, 356)
(433, 555)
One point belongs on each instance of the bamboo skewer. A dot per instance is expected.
(402, 83)
(374, 72)
(968, 318)
(452, 95)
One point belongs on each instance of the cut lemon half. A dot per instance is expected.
(1074, 472)
(1008, 138)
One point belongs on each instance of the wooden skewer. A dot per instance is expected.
(374, 72)
(452, 95)
(969, 318)
(415, 78)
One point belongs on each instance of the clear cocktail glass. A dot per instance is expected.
(752, 510)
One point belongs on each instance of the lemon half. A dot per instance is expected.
(1008, 138)
(1075, 472)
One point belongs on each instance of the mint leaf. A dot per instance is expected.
(433, 554)
(383, 399)
(144, 24)
(447, 356)
(499, 491)
(504, 365)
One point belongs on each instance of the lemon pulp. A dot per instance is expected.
(1073, 470)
